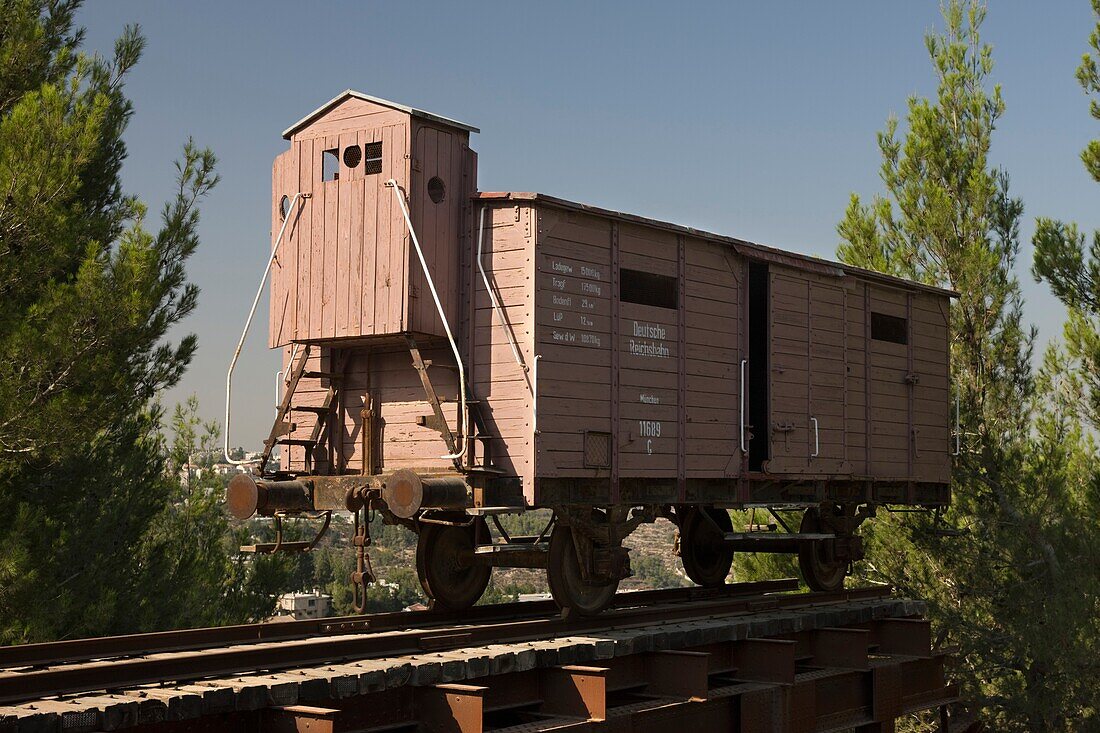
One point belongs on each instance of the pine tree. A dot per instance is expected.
(96, 537)
(1069, 263)
(1001, 572)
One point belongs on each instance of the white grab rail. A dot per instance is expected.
(817, 442)
(492, 295)
(248, 323)
(397, 191)
(535, 395)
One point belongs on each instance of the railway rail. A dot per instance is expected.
(112, 662)
(370, 672)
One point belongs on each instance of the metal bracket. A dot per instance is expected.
(439, 420)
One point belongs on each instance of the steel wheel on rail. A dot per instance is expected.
(706, 557)
(567, 586)
(446, 577)
(819, 570)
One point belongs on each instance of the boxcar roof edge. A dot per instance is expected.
(349, 93)
(752, 249)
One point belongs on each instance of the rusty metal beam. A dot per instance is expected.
(451, 708)
(576, 692)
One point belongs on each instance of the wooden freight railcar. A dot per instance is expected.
(450, 356)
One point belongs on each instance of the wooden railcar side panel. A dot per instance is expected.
(573, 336)
(789, 379)
(888, 363)
(713, 325)
(932, 397)
(389, 378)
(828, 397)
(437, 153)
(345, 256)
(650, 355)
(283, 303)
(856, 339)
(501, 384)
(304, 237)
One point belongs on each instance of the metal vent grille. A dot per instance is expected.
(597, 449)
(373, 158)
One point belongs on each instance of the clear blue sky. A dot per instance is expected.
(751, 119)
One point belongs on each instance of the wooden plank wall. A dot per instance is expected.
(573, 307)
(714, 337)
(889, 392)
(499, 383)
(439, 153)
(790, 345)
(857, 427)
(677, 407)
(388, 376)
(933, 400)
(344, 264)
(649, 361)
(283, 304)
(828, 398)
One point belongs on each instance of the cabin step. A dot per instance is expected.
(304, 442)
(318, 409)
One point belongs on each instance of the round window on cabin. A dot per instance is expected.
(284, 207)
(352, 155)
(436, 190)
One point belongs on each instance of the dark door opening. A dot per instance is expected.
(758, 370)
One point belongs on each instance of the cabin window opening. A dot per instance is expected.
(889, 328)
(284, 207)
(757, 383)
(373, 158)
(436, 190)
(330, 165)
(647, 288)
(353, 154)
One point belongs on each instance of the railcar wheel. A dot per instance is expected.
(445, 577)
(707, 558)
(567, 586)
(818, 570)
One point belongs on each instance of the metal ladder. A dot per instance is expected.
(283, 424)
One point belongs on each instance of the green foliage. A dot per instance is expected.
(753, 566)
(1070, 263)
(1014, 590)
(98, 538)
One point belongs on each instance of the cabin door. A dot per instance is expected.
(807, 376)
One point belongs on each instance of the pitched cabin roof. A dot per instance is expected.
(741, 246)
(350, 93)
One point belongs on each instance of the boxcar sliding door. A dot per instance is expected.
(807, 375)
(827, 379)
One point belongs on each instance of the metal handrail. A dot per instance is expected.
(535, 394)
(248, 323)
(492, 296)
(958, 429)
(399, 193)
(817, 442)
(742, 395)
